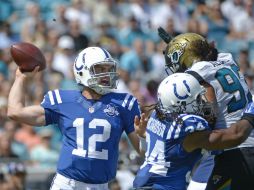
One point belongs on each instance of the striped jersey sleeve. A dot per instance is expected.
(130, 108)
(50, 103)
(190, 123)
(193, 123)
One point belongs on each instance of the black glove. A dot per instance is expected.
(164, 35)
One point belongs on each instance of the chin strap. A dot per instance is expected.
(142, 144)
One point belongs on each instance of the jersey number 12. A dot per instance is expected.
(92, 140)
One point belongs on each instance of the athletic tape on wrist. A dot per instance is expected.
(142, 143)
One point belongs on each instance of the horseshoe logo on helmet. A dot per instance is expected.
(81, 67)
(179, 96)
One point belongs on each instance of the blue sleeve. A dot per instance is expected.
(51, 108)
(131, 110)
(194, 123)
(250, 108)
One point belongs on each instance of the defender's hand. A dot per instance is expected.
(140, 125)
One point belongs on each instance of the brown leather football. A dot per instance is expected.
(27, 56)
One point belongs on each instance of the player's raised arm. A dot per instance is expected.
(32, 115)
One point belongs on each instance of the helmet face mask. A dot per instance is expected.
(172, 58)
(95, 68)
(103, 75)
(203, 107)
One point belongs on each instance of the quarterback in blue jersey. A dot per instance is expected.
(91, 121)
(176, 133)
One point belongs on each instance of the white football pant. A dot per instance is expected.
(196, 186)
(61, 182)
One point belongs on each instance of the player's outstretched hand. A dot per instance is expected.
(27, 74)
(140, 125)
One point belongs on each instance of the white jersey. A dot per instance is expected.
(231, 90)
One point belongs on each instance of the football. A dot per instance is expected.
(27, 56)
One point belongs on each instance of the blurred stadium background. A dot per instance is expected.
(127, 29)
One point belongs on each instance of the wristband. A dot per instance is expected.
(142, 143)
(249, 117)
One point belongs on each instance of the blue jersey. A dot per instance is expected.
(167, 163)
(91, 132)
